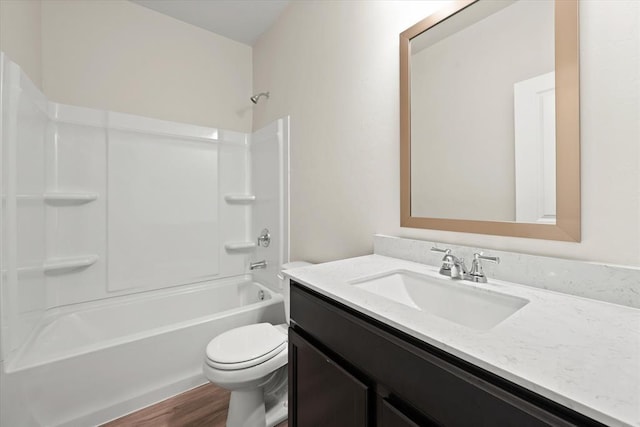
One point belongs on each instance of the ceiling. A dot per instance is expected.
(240, 20)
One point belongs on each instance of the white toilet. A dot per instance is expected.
(251, 362)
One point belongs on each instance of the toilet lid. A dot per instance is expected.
(245, 346)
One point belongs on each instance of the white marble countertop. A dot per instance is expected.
(582, 353)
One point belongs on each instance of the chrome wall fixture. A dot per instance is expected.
(265, 238)
(255, 98)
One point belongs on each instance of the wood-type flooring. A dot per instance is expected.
(204, 406)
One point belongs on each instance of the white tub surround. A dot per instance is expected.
(98, 204)
(604, 282)
(269, 154)
(124, 238)
(579, 352)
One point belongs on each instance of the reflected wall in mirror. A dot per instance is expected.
(489, 120)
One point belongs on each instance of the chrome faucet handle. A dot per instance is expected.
(444, 251)
(447, 261)
(477, 273)
(487, 258)
(264, 238)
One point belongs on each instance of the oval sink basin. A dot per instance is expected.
(459, 302)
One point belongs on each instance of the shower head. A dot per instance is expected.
(255, 98)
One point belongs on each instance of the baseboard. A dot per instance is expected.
(128, 406)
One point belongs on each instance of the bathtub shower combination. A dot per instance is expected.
(126, 244)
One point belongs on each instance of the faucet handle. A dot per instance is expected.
(477, 273)
(264, 238)
(486, 258)
(444, 251)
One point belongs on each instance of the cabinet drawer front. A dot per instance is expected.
(321, 392)
(445, 392)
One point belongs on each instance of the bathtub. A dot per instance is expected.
(90, 363)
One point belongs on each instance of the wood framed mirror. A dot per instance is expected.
(490, 119)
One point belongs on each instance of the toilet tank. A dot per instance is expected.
(285, 283)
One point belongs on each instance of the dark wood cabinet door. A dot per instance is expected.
(390, 416)
(321, 393)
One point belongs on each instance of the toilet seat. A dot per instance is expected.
(245, 347)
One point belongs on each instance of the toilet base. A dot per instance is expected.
(247, 409)
(277, 413)
(262, 406)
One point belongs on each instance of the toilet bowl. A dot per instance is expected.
(251, 362)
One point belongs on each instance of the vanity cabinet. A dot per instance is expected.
(348, 369)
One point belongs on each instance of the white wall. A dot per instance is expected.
(333, 66)
(119, 56)
(20, 35)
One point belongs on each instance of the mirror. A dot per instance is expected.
(490, 119)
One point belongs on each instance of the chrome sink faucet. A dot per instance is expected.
(452, 266)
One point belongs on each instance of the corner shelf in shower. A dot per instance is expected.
(61, 264)
(69, 263)
(239, 246)
(59, 198)
(240, 198)
(70, 198)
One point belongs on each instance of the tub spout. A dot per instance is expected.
(259, 264)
